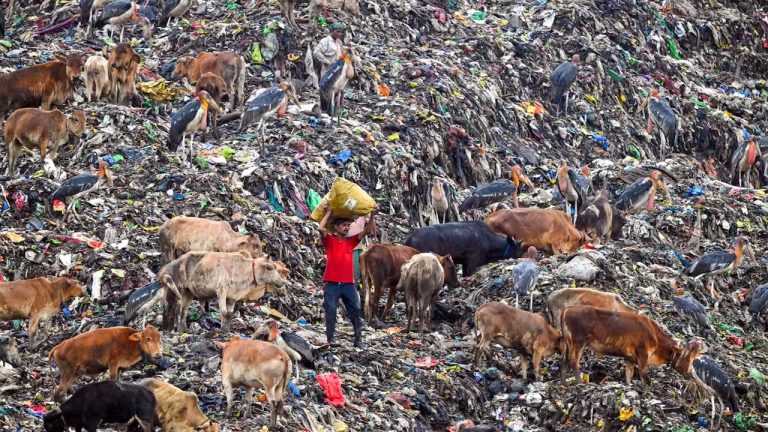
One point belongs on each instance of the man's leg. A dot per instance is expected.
(331, 294)
(351, 298)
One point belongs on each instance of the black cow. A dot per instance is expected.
(470, 244)
(104, 402)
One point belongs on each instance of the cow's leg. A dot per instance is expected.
(390, 300)
(629, 370)
(409, 306)
(481, 346)
(183, 311)
(229, 392)
(225, 317)
(114, 371)
(248, 400)
(67, 378)
(34, 321)
(524, 359)
(537, 354)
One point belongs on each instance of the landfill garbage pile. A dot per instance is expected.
(455, 93)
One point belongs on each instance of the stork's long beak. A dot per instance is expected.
(212, 104)
(663, 186)
(293, 97)
(751, 253)
(527, 181)
(108, 175)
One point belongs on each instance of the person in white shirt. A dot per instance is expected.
(329, 48)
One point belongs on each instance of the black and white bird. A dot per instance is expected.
(88, 10)
(525, 275)
(641, 194)
(715, 381)
(574, 186)
(758, 306)
(174, 9)
(688, 306)
(269, 102)
(74, 188)
(743, 159)
(297, 348)
(661, 114)
(561, 80)
(142, 300)
(188, 120)
(118, 14)
(332, 85)
(487, 194)
(716, 263)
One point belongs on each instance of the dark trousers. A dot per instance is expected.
(351, 298)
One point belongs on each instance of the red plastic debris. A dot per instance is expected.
(331, 385)
(735, 340)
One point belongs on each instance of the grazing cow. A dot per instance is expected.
(123, 67)
(98, 350)
(527, 332)
(36, 299)
(96, 77)
(228, 65)
(470, 244)
(421, 278)
(638, 339)
(100, 403)
(255, 364)
(36, 128)
(183, 234)
(40, 85)
(562, 299)
(215, 86)
(178, 410)
(9, 351)
(228, 277)
(547, 230)
(380, 267)
(599, 219)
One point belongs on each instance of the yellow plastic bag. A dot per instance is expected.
(346, 199)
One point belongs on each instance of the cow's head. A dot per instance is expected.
(514, 248)
(265, 273)
(71, 288)
(449, 270)
(182, 66)
(250, 243)
(207, 425)
(74, 64)
(682, 362)
(54, 422)
(121, 57)
(76, 123)
(149, 343)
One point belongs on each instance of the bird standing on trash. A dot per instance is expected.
(488, 194)
(525, 275)
(661, 114)
(297, 348)
(688, 306)
(641, 193)
(758, 306)
(118, 13)
(271, 101)
(439, 200)
(192, 117)
(332, 85)
(74, 188)
(142, 300)
(712, 379)
(574, 187)
(561, 80)
(716, 263)
(517, 177)
(174, 9)
(88, 10)
(743, 159)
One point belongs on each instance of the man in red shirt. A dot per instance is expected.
(339, 274)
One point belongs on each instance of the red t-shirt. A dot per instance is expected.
(339, 254)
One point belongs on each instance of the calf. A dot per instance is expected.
(228, 65)
(98, 350)
(214, 85)
(636, 338)
(37, 300)
(562, 299)
(178, 410)
(380, 267)
(99, 403)
(35, 128)
(255, 364)
(40, 85)
(96, 77)
(228, 277)
(528, 333)
(470, 244)
(183, 234)
(421, 278)
(600, 219)
(123, 67)
(547, 230)
(9, 351)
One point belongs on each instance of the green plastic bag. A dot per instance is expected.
(313, 200)
(256, 54)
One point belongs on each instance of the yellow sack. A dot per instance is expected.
(346, 200)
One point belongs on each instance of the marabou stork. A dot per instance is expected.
(88, 10)
(269, 102)
(688, 306)
(174, 9)
(744, 158)
(641, 193)
(488, 194)
(716, 263)
(517, 176)
(711, 378)
(660, 113)
(142, 300)
(297, 348)
(188, 120)
(561, 80)
(118, 13)
(574, 187)
(759, 304)
(74, 188)
(439, 200)
(332, 85)
(525, 275)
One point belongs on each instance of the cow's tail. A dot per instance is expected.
(366, 281)
(240, 82)
(51, 360)
(172, 297)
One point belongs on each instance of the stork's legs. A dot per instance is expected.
(122, 28)
(530, 309)
(575, 211)
(338, 108)
(192, 150)
(567, 96)
(516, 298)
(169, 21)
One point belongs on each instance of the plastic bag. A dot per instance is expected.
(313, 199)
(346, 200)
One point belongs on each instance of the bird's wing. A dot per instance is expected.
(738, 154)
(85, 11)
(687, 305)
(763, 144)
(634, 193)
(707, 370)
(169, 6)
(487, 194)
(141, 297)
(580, 183)
(645, 171)
(266, 101)
(113, 9)
(330, 75)
(759, 303)
(663, 115)
(710, 262)
(179, 121)
(299, 344)
(74, 186)
(524, 276)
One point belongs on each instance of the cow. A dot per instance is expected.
(255, 364)
(98, 350)
(123, 67)
(9, 351)
(36, 128)
(40, 85)
(599, 219)
(96, 77)
(637, 339)
(228, 277)
(36, 299)
(215, 86)
(228, 65)
(183, 234)
(547, 230)
(421, 278)
(471, 244)
(564, 298)
(100, 403)
(380, 267)
(528, 333)
(178, 410)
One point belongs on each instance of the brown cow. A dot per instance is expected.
(123, 67)
(183, 234)
(36, 299)
(96, 77)
(547, 230)
(98, 350)
(527, 332)
(44, 130)
(215, 86)
(599, 219)
(40, 85)
(253, 364)
(421, 278)
(228, 65)
(380, 268)
(562, 299)
(638, 339)
(178, 410)
(229, 277)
